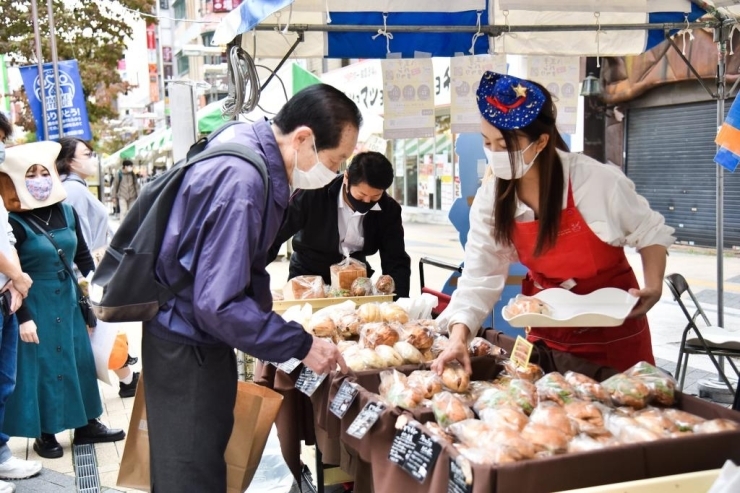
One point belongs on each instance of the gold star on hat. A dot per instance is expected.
(520, 90)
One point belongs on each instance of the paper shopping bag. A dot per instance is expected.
(254, 414)
(134, 470)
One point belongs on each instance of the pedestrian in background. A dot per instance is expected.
(125, 188)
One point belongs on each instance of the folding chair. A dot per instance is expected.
(443, 299)
(712, 341)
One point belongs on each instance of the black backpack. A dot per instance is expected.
(124, 287)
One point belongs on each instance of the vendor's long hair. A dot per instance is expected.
(552, 181)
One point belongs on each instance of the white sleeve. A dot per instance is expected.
(485, 270)
(634, 220)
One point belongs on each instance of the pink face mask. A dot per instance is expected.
(40, 187)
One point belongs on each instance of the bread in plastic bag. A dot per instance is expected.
(419, 336)
(348, 325)
(391, 312)
(477, 387)
(345, 272)
(550, 414)
(389, 356)
(554, 387)
(481, 347)
(385, 285)
(585, 443)
(395, 390)
(304, 288)
(492, 399)
(628, 430)
(409, 353)
(521, 305)
(515, 444)
(427, 381)
(428, 356)
(685, 421)
(505, 416)
(370, 359)
(322, 326)
(655, 420)
(378, 334)
(716, 426)
(627, 391)
(439, 344)
(662, 386)
(369, 313)
(436, 431)
(586, 417)
(449, 409)
(530, 372)
(587, 388)
(455, 378)
(524, 394)
(546, 438)
(492, 456)
(345, 346)
(362, 286)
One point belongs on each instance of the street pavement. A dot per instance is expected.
(422, 240)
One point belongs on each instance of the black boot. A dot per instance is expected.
(48, 447)
(97, 432)
(128, 389)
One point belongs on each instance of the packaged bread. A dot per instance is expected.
(586, 417)
(662, 386)
(546, 439)
(477, 387)
(362, 286)
(378, 334)
(338, 293)
(345, 346)
(628, 430)
(627, 391)
(553, 387)
(585, 443)
(518, 447)
(304, 288)
(409, 353)
(455, 378)
(502, 381)
(396, 391)
(523, 305)
(427, 356)
(550, 414)
(429, 382)
(449, 409)
(654, 420)
(385, 285)
(436, 431)
(685, 421)
(392, 312)
(389, 356)
(353, 358)
(369, 313)
(348, 325)
(344, 273)
(417, 335)
(370, 359)
(524, 394)
(587, 388)
(439, 344)
(471, 432)
(494, 455)
(493, 399)
(322, 326)
(481, 347)
(530, 372)
(505, 416)
(716, 426)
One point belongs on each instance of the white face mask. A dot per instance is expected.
(86, 167)
(316, 177)
(501, 165)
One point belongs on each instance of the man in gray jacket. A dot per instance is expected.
(125, 188)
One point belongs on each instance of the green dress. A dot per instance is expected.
(56, 385)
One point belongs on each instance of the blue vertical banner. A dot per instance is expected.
(74, 112)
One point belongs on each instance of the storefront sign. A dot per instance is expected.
(408, 85)
(560, 75)
(74, 112)
(466, 74)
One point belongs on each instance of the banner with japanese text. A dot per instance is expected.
(408, 86)
(561, 76)
(74, 112)
(466, 74)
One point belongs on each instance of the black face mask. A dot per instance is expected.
(358, 205)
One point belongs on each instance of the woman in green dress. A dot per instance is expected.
(56, 385)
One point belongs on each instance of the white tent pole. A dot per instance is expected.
(720, 34)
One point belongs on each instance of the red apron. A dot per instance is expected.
(580, 255)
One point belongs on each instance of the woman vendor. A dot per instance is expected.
(566, 217)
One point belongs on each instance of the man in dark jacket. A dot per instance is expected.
(353, 214)
(218, 233)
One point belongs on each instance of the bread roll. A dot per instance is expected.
(369, 313)
(392, 312)
(349, 325)
(344, 274)
(420, 337)
(455, 378)
(378, 334)
(362, 286)
(322, 326)
(389, 356)
(385, 285)
(409, 353)
(304, 288)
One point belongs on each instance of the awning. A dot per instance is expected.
(355, 29)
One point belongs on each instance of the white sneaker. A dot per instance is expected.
(6, 487)
(15, 468)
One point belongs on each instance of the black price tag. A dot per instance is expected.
(344, 398)
(289, 366)
(365, 420)
(461, 480)
(414, 451)
(308, 381)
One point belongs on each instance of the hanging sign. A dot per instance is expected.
(560, 75)
(408, 85)
(466, 74)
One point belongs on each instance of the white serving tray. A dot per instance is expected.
(607, 307)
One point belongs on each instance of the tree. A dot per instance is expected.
(92, 32)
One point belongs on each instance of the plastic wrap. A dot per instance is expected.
(322, 326)
(587, 388)
(436, 431)
(389, 356)
(395, 390)
(553, 387)
(492, 456)
(685, 421)
(521, 305)
(362, 286)
(427, 381)
(656, 421)
(662, 386)
(378, 334)
(550, 414)
(504, 417)
(524, 394)
(385, 285)
(492, 399)
(546, 439)
(439, 344)
(347, 346)
(587, 417)
(419, 336)
(481, 347)
(471, 432)
(344, 273)
(628, 430)
(584, 443)
(455, 378)
(369, 313)
(716, 426)
(515, 444)
(627, 391)
(477, 387)
(348, 325)
(391, 312)
(530, 372)
(409, 353)
(449, 409)
(304, 288)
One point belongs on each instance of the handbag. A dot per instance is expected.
(83, 301)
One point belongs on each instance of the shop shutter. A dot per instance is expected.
(670, 151)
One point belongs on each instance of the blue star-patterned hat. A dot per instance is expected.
(508, 102)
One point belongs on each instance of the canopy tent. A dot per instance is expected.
(356, 29)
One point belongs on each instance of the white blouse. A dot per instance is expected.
(604, 196)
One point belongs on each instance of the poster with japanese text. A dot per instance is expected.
(561, 76)
(408, 85)
(466, 75)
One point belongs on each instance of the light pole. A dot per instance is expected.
(40, 62)
(55, 65)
